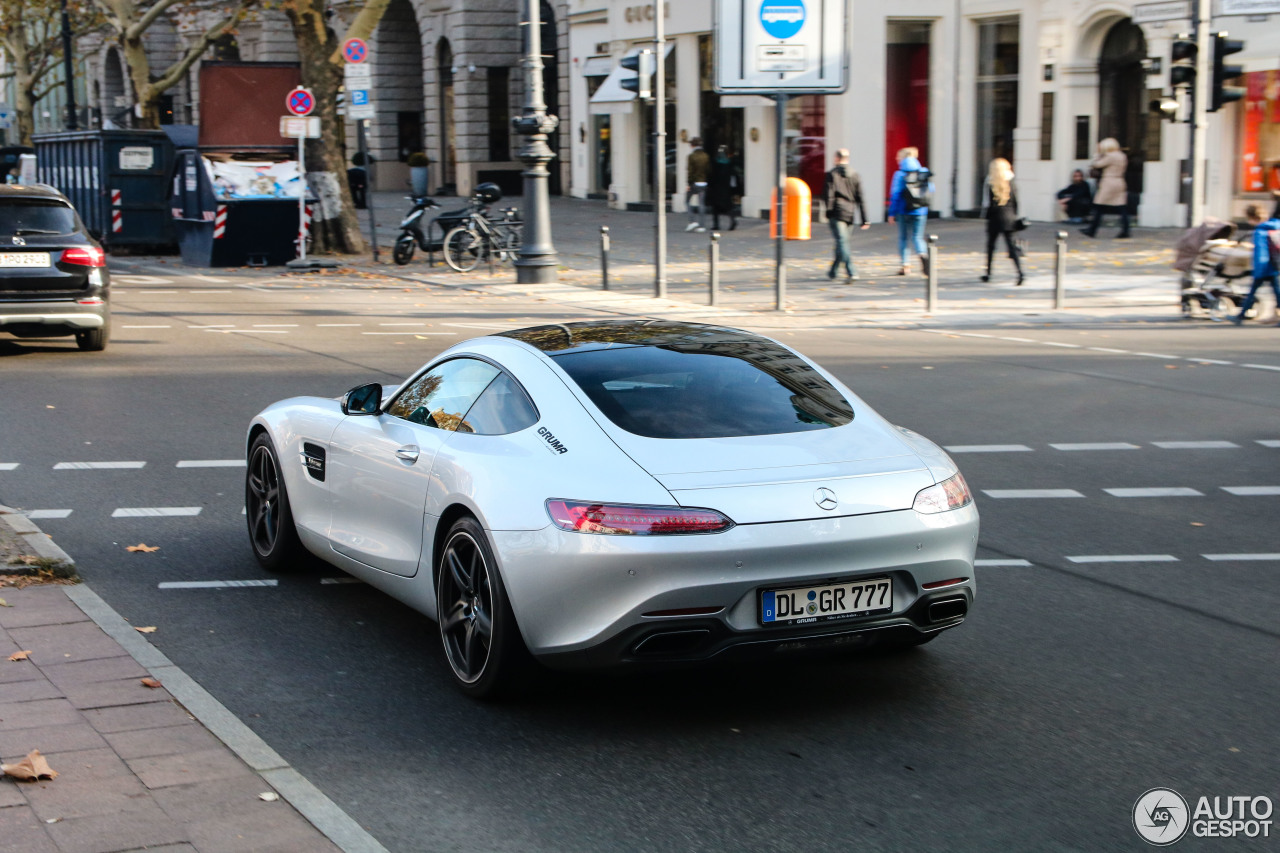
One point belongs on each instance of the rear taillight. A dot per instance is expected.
(588, 517)
(951, 493)
(85, 256)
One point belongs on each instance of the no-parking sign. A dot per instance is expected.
(300, 101)
(781, 46)
(355, 50)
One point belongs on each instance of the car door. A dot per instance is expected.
(380, 464)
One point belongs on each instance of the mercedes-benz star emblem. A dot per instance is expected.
(825, 498)
(18, 241)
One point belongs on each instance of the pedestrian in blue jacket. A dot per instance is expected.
(909, 195)
(1264, 265)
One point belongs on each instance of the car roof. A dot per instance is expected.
(561, 338)
(43, 192)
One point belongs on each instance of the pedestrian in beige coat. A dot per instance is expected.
(1113, 193)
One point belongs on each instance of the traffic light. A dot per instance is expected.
(1165, 106)
(641, 63)
(1222, 93)
(1182, 62)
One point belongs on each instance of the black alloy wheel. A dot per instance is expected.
(271, 530)
(403, 251)
(477, 627)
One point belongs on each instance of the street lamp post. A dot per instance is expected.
(537, 262)
(67, 69)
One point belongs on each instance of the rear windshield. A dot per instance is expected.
(30, 216)
(714, 390)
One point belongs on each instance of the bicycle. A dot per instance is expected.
(479, 238)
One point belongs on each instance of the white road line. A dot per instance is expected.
(1251, 491)
(47, 513)
(1220, 558)
(161, 291)
(275, 325)
(336, 325)
(213, 279)
(1158, 492)
(993, 563)
(1056, 344)
(1020, 340)
(215, 326)
(1196, 445)
(250, 331)
(417, 323)
(215, 584)
(211, 463)
(987, 448)
(1124, 558)
(95, 466)
(146, 327)
(155, 511)
(1209, 361)
(1098, 445)
(208, 291)
(1269, 442)
(1159, 355)
(9, 466)
(1262, 366)
(1108, 349)
(1031, 493)
(340, 580)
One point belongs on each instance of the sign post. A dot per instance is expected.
(358, 81)
(300, 124)
(780, 48)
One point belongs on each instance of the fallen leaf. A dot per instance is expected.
(22, 655)
(30, 769)
(1197, 524)
(150, 682)
(269, 796)
(4, 603)
(150, 629)
(143, 547)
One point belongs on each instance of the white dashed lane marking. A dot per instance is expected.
(1032, 493)
(1252, 491)
(1124, 558)
(47, 513)
(211, 463)
(1159, 492)
(9, 466)
(995, 563)
(987, 448)
(155, 511)
(1097, 445)
(216, 584)
(1196, 445)
(95, 466)
(1269, 442)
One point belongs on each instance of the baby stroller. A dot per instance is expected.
(1211, 264)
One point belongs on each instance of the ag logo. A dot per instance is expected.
(1160, 816)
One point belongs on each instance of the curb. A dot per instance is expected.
(323, 813)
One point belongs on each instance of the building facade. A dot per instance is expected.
(962, 80)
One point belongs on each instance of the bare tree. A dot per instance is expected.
(31, 34)
(334, 224)
(129, 20)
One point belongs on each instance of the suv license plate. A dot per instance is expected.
(24, 259)
(824, 603)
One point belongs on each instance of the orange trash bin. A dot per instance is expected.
(798, 214)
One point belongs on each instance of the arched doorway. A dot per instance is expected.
(115, 93)
(551, 90)
(1122, 95)
(448, 147)
(397, 127)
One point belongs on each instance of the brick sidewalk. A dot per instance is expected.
(136, 768)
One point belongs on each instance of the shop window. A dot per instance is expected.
(1046, 125)
(997, 95)
(806, 136)
(499, 95)
(1082, 139)
(907, 93)
(1260, 135)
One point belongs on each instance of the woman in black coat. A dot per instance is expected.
(1002, 213)
(726, 184)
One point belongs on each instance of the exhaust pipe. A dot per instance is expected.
(947, 609)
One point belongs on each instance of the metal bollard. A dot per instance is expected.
(931, 288)
(714, 252)
(604, 257)
(1060, 272)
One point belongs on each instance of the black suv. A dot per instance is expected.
(53, 275)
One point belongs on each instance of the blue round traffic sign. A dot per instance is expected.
(300, 102)
(782, 18)
(355, 50)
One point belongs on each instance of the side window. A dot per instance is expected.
(441, 396)
(503, 408)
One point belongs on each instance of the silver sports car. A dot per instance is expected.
(618, 493)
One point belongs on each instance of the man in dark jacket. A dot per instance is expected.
(842, 193)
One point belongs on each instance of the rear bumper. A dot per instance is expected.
(65, 315)
(581, 599)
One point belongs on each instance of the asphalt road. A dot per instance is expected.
(1129, 641)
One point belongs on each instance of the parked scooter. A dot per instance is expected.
(412, 234)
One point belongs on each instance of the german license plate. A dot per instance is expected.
(24, 259)
(824, 603)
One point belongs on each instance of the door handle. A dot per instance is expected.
(409, 453)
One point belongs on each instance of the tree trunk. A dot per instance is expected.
(139, 65)
(15, 43)
(334, 226)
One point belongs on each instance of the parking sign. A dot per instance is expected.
(791, 47)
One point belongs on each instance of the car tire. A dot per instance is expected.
(403, 251)
(478, 629)
(272, 533)
(92, 340)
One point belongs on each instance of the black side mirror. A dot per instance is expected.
(364, 400)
